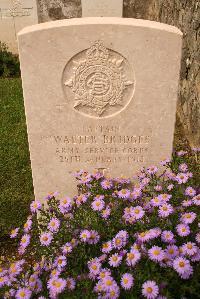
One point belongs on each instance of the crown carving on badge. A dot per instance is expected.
(97, 52)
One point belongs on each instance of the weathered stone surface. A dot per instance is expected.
(103, 8)
(98, 94)
(50, 10)
(14, 16)
(185, 14)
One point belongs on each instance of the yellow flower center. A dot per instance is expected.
(102, 275)
(118, 241)
(130, 256)
(115, 258)
(156, 252)
(181, 264)
(57, 284)
(189, 246)
(109, 282)
(22, 294)
(143, 234)
(188, 216)
(125, 280)
(149, 290)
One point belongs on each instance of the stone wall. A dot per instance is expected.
(185, 14)
(50, 10)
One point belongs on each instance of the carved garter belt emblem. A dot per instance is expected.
(99, 81)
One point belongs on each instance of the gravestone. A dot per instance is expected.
(14, 16)
(100, 93)
(103, 8)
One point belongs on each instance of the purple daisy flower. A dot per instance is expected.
(23, 293)
(182, 178)
(152, 169)
(183, 167)
(170, 187)
(60, 262)
(25, 240)
(56, 285)
(127, 281)
(181, 153)
(94, 266)
(46, 238)
(189, 248)
(150, 289)
(3, 281)
(35, 206)
(27, 225)
(106, 213)
(183, 230)
(196, 200)
(115, 260)
(158, 188)
(165, 210)
(156, 254)
(54, 225)
(85, 235)
(172, 251)
(80, 199)
(124, 193)
(94, 237)
(133, 257)
(167, 236)
(98, 205)
(188, 218)
(70, 283)
(106, 184)
(67, 248)
(137, 192)
(190, 191)
(137, 212)
(14, 233)
(107, 247)
(181, 265)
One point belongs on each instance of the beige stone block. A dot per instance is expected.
(14, 16)
(102, 8)
(99, 93)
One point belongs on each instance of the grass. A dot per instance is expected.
(15, 169)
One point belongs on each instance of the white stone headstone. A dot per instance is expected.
(102, 8)
(99, 93)
(14, 16)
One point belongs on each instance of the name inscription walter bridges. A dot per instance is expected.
(101, 148)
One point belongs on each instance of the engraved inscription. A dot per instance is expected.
(16, 10)
(101, 146)
(99, 81)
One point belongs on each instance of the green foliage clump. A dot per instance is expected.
(9, 63)
(15, 169)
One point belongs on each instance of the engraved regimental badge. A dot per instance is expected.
(99, 81)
